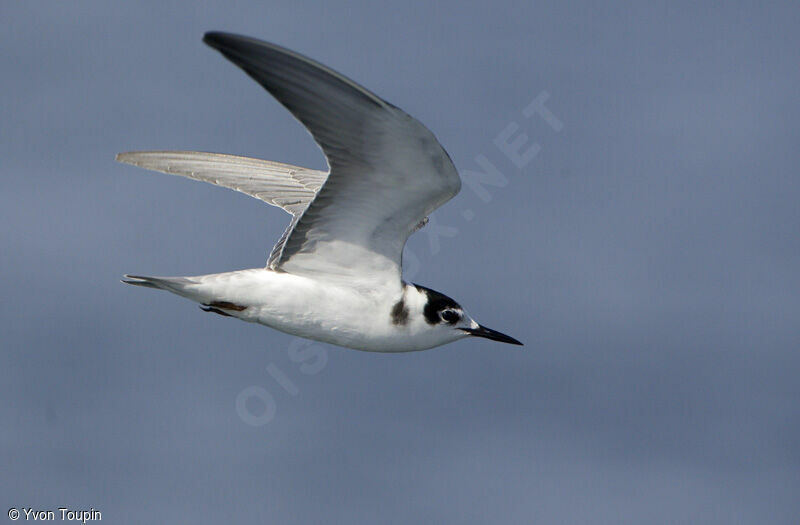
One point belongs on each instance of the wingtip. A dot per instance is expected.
(218, 39)
(232, 43)
(210, 37)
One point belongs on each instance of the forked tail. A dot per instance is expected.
(188, 288)
(171, 284)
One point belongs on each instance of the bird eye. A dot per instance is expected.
(450, 316)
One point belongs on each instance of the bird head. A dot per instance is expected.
(448, 320)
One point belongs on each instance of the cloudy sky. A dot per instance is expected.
(644, 246)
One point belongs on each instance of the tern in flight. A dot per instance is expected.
(335, 275)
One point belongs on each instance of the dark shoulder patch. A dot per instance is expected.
(400, 313)
(436, 303)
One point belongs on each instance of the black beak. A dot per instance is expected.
(494, 335)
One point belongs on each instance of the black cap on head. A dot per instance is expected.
(437, 304)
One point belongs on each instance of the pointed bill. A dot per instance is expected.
(494, 335)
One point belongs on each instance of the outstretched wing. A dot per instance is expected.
(387, 171)
(282, 185)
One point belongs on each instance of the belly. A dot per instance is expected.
(340, 326)
(323, 312)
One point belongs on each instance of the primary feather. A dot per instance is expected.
(283, 185)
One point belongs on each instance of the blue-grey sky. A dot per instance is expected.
(647, 255)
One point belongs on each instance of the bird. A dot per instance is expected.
(335, 275)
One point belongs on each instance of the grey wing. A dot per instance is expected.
(387, 171)
(289, 187)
